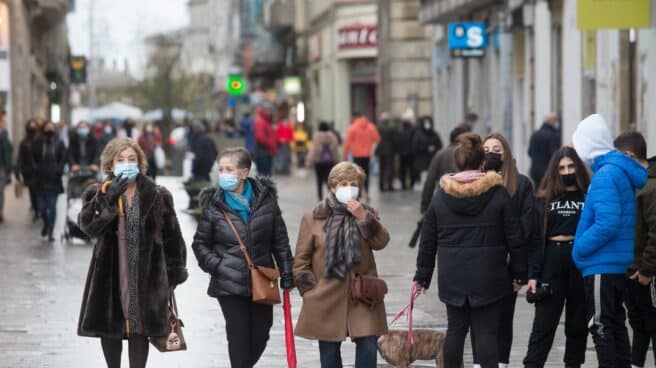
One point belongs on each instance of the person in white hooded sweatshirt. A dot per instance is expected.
(603, 245)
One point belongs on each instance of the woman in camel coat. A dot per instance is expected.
(323, 265)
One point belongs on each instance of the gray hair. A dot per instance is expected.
(241, 155)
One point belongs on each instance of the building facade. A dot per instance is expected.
(404, 59)
(33, 61)
(339, 55)
(538, 61)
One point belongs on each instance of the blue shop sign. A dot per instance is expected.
(467, 39)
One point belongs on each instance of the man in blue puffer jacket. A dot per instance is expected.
(603, 246)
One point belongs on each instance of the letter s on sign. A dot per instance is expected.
(475, 37)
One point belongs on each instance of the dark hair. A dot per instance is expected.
(469, 154)
(632, 141)
(509, 171)
(241, 155)
(552, 187)
(460, 129)
(426, 117)
(324, 127)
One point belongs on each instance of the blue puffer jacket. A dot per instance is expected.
(605, 233)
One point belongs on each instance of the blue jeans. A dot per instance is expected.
(48, 209)
(366, 354)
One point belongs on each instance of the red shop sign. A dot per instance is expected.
(358, 36)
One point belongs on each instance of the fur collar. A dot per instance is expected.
(213, 195)
(473, 189)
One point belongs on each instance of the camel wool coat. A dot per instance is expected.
(328, 312)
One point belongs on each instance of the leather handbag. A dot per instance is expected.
(264, 280)
(175, 340)
(369, 290)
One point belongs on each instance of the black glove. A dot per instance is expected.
(116, 188)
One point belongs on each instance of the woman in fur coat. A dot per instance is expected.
(139, 257)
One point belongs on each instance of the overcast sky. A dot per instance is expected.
(121, 25)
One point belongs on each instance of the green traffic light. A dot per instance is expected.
(236, 85)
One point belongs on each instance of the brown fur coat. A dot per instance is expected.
(162, 264)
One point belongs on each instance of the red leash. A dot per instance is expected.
(414, 294)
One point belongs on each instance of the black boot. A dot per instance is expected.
(44, 230)
(51, 238)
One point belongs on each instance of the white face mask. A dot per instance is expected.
(345, 194)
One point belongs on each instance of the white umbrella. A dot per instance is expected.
(117, 110)
(158, 114)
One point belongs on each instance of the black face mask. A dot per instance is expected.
(569, 179)
(493, 161)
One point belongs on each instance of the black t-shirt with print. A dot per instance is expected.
(563, 214)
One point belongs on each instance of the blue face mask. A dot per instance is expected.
(228, 182)
(83, 132)
(129, 170)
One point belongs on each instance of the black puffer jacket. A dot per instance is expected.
(49, 156)
(474, 226)
(91, 154)
(265, 236)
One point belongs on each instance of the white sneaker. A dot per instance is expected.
(635, 366)
(477, 366)
(503, 365)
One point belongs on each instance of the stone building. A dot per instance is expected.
(33, 61)
(404, 59)
(538, 59)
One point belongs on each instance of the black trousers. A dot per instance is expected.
(386, 177)
(605, 294)
(407, 171)
(642, 318)
(483, 322)
(363, 162)
(569, 293)
(137, 351)
(247, 329)
(505, 333)
(322, 169)
(264, 164)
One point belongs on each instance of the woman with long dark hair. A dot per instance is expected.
(554, 280)
(499, 158)
(477, 229)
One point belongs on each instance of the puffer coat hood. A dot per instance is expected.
(592, 138)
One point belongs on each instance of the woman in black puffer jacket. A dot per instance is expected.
(252, 205)
(474, 224)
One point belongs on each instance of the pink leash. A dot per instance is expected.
(414, 294)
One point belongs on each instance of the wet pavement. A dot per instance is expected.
(42, 284)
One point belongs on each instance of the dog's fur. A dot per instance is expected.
(396, 349)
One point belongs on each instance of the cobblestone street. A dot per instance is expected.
(43, 283)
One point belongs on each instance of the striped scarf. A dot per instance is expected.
(342, 240)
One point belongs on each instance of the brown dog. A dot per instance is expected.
(396, 350)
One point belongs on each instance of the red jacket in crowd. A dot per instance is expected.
(284, 132)
(264, 134)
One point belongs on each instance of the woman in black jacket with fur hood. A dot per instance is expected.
(252, 206)
(472, 226)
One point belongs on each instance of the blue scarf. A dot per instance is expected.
(241, 203)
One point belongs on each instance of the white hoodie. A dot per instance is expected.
(592, 138)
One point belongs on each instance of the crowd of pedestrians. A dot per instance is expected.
(579, 234)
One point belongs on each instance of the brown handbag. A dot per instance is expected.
(369, 290)
(175, 340)
(264, 280)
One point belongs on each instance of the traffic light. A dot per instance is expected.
(236, 85)
(78, 65)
